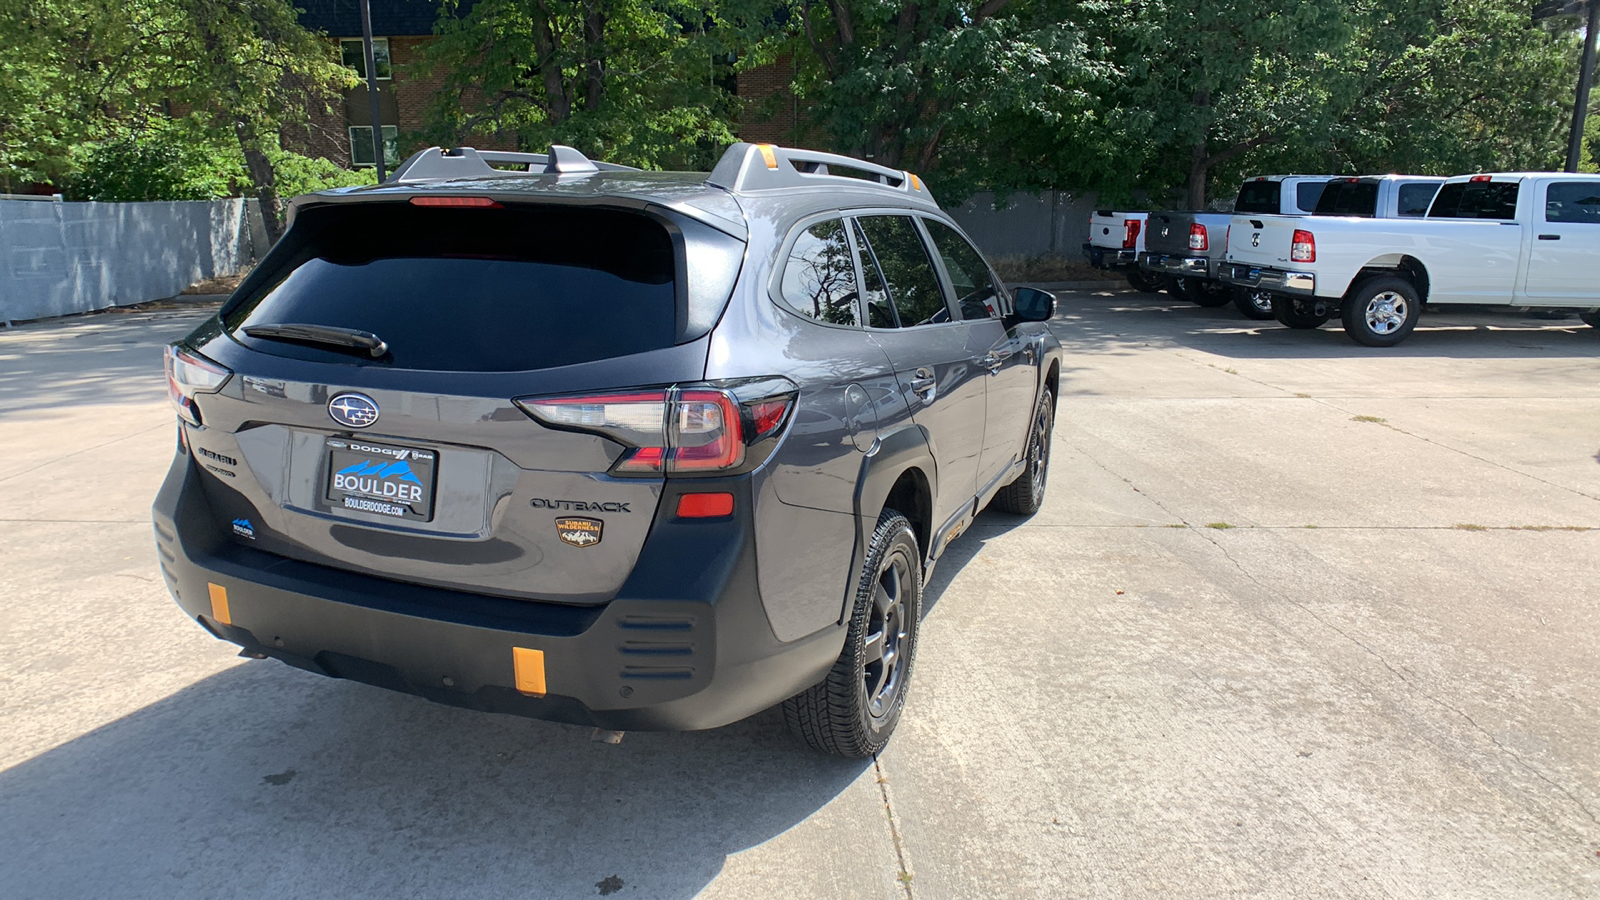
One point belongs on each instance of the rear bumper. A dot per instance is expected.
(685, 645)
(1278, 281)
(1177, 266)
(1109, 257)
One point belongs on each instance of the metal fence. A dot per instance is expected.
(1029, 224)
(58, 258)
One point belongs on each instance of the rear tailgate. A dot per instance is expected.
(417, 465)
(1110, 230)
(1261, 240)
(1173, 233)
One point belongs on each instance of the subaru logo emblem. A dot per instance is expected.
(353, 410)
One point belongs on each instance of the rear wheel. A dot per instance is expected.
(1025, 495)
(855, 707)
(1253, 303)
(1209, 293)
(1591, 319)
(1176, 287)
(1144, 282)
(1297, 313)
(1382, 311)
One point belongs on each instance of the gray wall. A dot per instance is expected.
(1029, 225)
(58, 258)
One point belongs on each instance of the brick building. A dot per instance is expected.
(402, 28)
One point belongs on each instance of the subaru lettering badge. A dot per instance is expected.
(353, 410)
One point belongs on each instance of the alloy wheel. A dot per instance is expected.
(1387, 312)
(887, 629)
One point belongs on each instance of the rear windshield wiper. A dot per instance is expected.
(331, 335)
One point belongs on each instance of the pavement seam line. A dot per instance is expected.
(904, 876)
(1271, 591)
(50, 462)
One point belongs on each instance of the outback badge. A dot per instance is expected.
(580, 532)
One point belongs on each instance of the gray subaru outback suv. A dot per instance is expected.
(533, 434)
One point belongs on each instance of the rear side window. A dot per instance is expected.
(907, 269)
(819, 280)
(1573, 201)
(1349, 198)
(490, 290)
(976, 294)
(1259, 197)
(1415, 197)
(1307, 193)
(1476, 200)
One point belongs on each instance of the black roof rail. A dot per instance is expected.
(439, 164)
(755, 167)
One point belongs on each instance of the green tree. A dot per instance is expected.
(641, 82)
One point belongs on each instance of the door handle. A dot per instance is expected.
(1549, 237)
(923, 384)
(991, 362)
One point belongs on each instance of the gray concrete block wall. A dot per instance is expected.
(1028, 224)
(59, 258)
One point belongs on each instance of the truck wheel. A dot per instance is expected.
(1591, 319)
(1253, 303)
(1144, 282)
(1297, 313)
(1208, 293)
(1176, 288)
(1382, 311)
(1024, 495)
(854, 708)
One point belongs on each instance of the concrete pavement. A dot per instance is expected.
(1300, 619)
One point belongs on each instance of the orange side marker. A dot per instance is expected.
(529, 667)
(219, 603)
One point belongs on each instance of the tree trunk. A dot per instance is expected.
(1198, 166)
(264, 179)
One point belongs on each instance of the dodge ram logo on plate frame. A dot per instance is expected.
(580, 532)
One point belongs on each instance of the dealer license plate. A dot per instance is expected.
(381, 478)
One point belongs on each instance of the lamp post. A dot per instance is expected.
(1550, 9)
(372, 87)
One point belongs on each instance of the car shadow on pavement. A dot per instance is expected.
(1102, 323)
(265, 781)
(988, 525)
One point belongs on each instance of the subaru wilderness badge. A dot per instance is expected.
(353, 410)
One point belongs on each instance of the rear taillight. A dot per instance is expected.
(188, 374)
(689, 430)
(1130, 233)
(1304, 248)
(1197, 237)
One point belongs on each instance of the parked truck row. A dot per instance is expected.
(1376, 251)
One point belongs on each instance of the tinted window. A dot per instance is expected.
(1307, 193)
(1349, 198)
(819, 279)
(1415, 197)
(907, 269)
(1573, 201)
(874, 296)
(1259, 197)
(486, 290)
(1476, 200)
(976, 295)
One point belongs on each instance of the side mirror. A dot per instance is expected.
(1034, 305)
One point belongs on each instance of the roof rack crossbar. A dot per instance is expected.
(439, 164)
(754, 167)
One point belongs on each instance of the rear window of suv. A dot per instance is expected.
(489, 290)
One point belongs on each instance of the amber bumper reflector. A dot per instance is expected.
(529, 666)
(219, 603)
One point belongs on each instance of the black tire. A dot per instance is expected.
(1175, 287)
(1591, 319)
(1381, 311)
(852, 711)
(1253, 303)
(1144, 282)
(1024, 495)
(1209, 294)
(1297, 313)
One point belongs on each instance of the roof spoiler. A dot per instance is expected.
(439, 164)
(756, 167)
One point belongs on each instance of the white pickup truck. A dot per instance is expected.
(1115, 241)
(1528, 240)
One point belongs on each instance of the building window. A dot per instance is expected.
(356, 58)
(361, 146)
